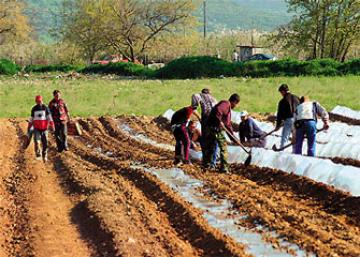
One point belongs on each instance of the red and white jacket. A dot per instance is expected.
(41, 117)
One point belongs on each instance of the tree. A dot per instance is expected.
(130, 27)
(13, 23)
(321, 28)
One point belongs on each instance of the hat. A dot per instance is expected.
(284, 87)
(38, 99)
(244, 113)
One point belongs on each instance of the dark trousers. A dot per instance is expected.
(217, 140)
(182, 143)
(61, 136)
(258, 142)
(209, 156)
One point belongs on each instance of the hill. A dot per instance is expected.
(263, 15)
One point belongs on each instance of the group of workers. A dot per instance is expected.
(55, 117)
(297, 117)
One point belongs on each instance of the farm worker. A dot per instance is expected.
(285, 113)
(219, 123)
(61, 116)
(40, 120)
(179, 123)
(249, 133)
(196, 139)
(305, 123)
(206, 102)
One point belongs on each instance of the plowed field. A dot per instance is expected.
(94, 200)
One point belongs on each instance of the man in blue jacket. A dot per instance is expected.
(249, 133)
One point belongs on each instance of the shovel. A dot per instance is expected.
(248, 159)
(290, 144)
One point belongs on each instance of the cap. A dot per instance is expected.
(38, 98)
(243, 113)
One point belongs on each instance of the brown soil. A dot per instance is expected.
(89, 201)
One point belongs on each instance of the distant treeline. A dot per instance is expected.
(203, 67)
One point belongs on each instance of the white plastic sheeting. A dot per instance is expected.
(346, 112)
(220, 215)
(340, 140)
(345, 178)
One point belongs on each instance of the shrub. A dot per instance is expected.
(196, 67)
(327, 67)
(8, 67)
(53, 68)
(120, 68)
(351, 67)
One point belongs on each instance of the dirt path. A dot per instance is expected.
(36, 218)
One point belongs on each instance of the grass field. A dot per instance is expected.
(99, 96)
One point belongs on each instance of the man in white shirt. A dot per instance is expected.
(305, 123)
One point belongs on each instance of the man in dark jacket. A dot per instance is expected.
(285, 113)
(219, 122)
(249, 133)
(61, 116)
(179, 123)
(40, 121)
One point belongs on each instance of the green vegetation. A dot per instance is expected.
(120, 68)
(8, 67)
(53, 68)
(94, 96)
(210, 67)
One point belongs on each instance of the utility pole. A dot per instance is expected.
(204, 7)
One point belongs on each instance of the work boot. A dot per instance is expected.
(177, 162)
(224, 170)
(45, 157)
(187, 162)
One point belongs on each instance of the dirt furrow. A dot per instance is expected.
(8, 164)
(302, 219)
(18, 185)
(137, 228)
(186, 220)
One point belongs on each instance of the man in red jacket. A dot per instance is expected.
(219, 123)
(41, 120)
(61, 116)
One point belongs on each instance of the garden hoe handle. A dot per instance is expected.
(267, 134)
(290, 144)
(236, 140)
(248, 159)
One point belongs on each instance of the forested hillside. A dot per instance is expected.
(263, 15)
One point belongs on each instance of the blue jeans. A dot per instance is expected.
(286, 131)
(308, 128)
